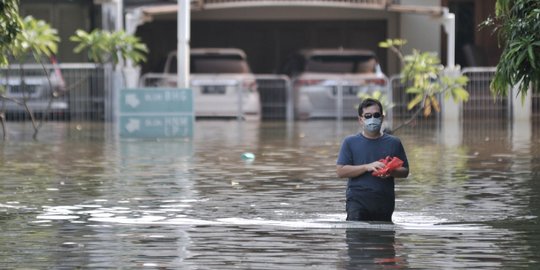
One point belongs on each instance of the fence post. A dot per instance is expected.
(113, 79)
(339, 102)
(389, 118)
(290, 100)
(239, 90)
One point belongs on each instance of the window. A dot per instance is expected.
(341, 64)
(218, 64)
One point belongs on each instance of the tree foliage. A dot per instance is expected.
(518, 25)
(38, 39)
(10, 27)
(20, 39)
(428, 80)
(423, 70)
(110, 47)
(380, 96)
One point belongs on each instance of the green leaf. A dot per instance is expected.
(414, 90)
(415, 101)
(532, 59)
(384, 44)
(104, 46)
(460, 94)
(427, 107)
(435, 103)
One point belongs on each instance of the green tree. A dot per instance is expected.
(38, 39)
(427, 79)
(10, 27)
(518, 25)
(104, 47)
(35, 39)
(110, 47)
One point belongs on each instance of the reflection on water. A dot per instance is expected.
(367, 249)
(78, 198)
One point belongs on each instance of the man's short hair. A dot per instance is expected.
(367, 103)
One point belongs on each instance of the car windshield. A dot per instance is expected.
(341, 64)
(214, 64)
(218, 64)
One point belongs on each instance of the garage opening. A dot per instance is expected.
(267, 43)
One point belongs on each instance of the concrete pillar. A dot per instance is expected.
(183, 37)
(451, 127)
(131, 72)
(521, 128)
(451, 124)
(521, 108)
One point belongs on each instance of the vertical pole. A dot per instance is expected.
(239, 91)
(132, 73)
(184, 19)
(451, 112)
(339, 101)
(449, 24)
(389, 118)
(119, 15)
(290, 100)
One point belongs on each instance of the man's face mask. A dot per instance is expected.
(372, 122)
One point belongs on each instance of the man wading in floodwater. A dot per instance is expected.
(369, 197)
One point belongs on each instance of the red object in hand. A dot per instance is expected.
(390, 164)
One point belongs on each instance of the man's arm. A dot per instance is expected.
(349, 171)
(400, 172)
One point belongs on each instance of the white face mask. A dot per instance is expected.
(373, 124)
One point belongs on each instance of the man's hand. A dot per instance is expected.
(349, 171)
(390, 165)
(375, 166)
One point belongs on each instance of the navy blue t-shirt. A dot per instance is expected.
(359, 150)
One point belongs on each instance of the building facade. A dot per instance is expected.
(270, 30)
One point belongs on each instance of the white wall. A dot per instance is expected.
(421, 31)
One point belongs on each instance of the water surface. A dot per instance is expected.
(79, 198)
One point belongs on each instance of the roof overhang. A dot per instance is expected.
(166, 11)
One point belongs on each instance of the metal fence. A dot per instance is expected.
(270, 94)
(495, 113)
(276, 97)
(80, 92)
(400, 113)
(481, 104)
(53, 92)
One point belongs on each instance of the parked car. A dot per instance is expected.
(40, 94)
(318, 75)
(221, 81)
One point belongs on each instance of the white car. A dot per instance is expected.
(222, 83)
(318, 76)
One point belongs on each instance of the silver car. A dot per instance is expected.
(321, 76)
(40, 94)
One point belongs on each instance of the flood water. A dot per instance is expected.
(80, 199)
